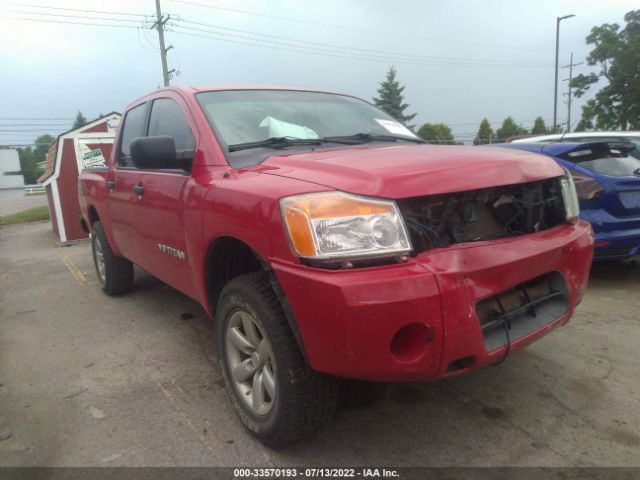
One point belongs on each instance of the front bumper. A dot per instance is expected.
(418, 320)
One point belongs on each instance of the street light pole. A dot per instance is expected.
(555, 83)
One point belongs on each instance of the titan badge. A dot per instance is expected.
(174, 252)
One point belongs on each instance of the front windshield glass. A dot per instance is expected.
(242, 116)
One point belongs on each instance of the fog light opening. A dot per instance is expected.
(410, 342)
(461, 364)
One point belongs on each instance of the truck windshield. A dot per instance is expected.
(252, 119)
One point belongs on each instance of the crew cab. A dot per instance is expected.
(328, 241)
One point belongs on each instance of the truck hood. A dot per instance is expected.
(402, 171)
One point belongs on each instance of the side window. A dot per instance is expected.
(167, 118)
(132, 128)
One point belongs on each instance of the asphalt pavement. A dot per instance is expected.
(89, 380)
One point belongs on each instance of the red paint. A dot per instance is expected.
(400, 171)
(67, 179)
(67, 190)
(99, 128)
(348, 319)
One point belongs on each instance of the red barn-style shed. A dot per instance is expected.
(73, 151)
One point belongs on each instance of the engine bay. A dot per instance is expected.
(438, 221)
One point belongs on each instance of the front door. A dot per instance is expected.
(122, 180)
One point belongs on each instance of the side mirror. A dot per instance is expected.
(156, 153)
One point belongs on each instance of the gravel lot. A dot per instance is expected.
(90, 380)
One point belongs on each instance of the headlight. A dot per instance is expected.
(336, 225)
(570, 196)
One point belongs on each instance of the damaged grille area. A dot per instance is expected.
(516, 312)
(441, 220)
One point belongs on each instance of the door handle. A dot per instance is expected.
(138, 190)
(111, 184)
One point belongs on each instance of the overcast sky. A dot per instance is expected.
(460, 60)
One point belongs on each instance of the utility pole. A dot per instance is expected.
(159, 25)
(570, 67)
(555, 82)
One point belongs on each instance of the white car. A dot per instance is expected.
(583, 137)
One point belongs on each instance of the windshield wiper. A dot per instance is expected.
(358, 138)
(370, 137)
(276, 142)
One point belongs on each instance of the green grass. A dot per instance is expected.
(32, 215)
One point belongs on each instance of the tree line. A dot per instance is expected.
(391, 100)
(616, 106)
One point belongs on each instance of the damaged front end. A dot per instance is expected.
(437, 221)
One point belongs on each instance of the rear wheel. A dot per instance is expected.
(115, 273)
(275, 393)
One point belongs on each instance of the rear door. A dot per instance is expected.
(160, 210)
(122, 182)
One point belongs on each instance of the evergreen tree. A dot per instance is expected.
(509, 129)
(539, 128)
(80, 120)
(391, 99)
(485, 133)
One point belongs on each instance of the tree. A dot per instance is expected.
(391, 99)
(42, 144)
(508, 129)
(80, 120)
(583, 126)
(485, 133)
(28, 168)
(616, 106)
(539, 128)
(437, 133)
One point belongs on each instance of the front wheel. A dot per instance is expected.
(275, 393)
(115, 273)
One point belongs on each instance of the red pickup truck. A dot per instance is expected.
(329, 241)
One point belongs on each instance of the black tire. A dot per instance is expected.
(304, 400)
(117, 275)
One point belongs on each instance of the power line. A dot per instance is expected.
(360, 51)
(55, 126)
(292, 48)
(570, 93)
(36, 118)
(40, 20)
(294, 43)
(343, 27)
(282, 43)
(128, 14)
(82, 17)
(13, 145)
(5, 130)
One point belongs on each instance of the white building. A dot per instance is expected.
(10, 163)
